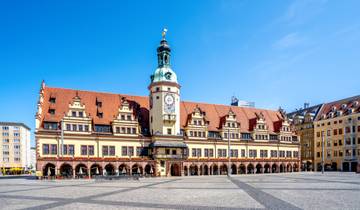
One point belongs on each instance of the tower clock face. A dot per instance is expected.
(169, 103)
(168, 75)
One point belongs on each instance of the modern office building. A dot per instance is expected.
(15, 147)
(94, 133)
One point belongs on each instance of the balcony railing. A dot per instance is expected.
(169, 117)
(169, 156)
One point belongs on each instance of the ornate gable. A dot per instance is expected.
(126, 122)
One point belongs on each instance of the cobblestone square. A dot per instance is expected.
(263, 191)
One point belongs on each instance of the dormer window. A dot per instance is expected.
(99, 115)
(52, 100)
(52, 111)
(128, 117)
(81, 114)
(98, 103)
(343, 106)
(73, 114)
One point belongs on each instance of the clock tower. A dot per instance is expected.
(164, 95)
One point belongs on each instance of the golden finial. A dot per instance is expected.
(163, 33)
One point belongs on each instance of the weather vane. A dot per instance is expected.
(163, 34)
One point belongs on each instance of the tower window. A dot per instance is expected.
(157, 97)
(169, 131)
(52, 111)
(157, 89)
(52, 100)
(169, 89)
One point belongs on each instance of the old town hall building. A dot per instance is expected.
(84, 134)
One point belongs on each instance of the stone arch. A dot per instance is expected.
(296, 167)
(267, 168)
(124, 169)
(282, 168)
(233, 169)
(149, 170)
(223, 169)
(66, 170)
(175, 169)
(274, 168)
(109, 169)
(205, 169)
(242, 169)
(214, 169)
(81, 170)
(49, 169)
(186, 171)
(289, 167)
(136, 169)
(259, 168)
(96, 170)
(250, 168)
(194, 170)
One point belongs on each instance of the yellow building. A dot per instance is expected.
(302, 122)
(337, 133)
(14, 147)
(82, 133)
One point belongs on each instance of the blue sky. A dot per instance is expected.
(275, 53)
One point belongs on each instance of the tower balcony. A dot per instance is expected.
(169, 118)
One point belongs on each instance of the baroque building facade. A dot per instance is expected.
(337, 135)
(84, 133)
(302, 122)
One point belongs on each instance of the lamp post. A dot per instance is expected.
(323, 151)
(229, 153)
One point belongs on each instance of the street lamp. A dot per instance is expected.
(323, 151)
(228, 174)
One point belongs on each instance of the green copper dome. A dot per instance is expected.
(164, 74)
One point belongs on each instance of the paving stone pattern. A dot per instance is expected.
(263, 191)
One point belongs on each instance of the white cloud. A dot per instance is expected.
(288, 41)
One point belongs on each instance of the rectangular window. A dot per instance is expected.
(335, 132)
(193, 152)
(288, 153)
(65, 149)
(124, 151)
(71, 149)
(105, 150)
(134, 130)
(86, 128)
(68, 127)
(318, 134)
(54, 149)
(81, 114)
(74, 127)
(84, 150)
(273, 153)
(73, 114)
(234, 153)
(138, 151)
(206, 152)
(112, 150)
(340, 131)
(169, 131)
(211, 152)
(80, 127)
(91, 150)
(131, 151)
(45, 149)
(198, 152)
(243, 153)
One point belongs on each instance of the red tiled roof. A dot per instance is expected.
(111, 103)
(327, 107)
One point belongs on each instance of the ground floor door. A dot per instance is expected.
(175, 170)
